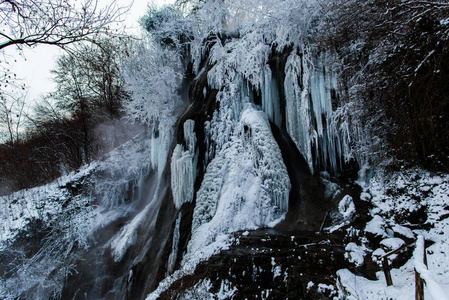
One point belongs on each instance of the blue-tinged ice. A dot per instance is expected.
(183, 167)
(246, 185)
(320, 133)
(175, 245)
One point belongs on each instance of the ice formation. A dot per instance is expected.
(183, 167)
(316, 129)
(246, 185)
(128, 235)
(270, 98)
(297, 107)
(175, 244)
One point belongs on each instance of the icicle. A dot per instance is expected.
(270, 98)
(183, 167)
(321, 85)
(174, 248)
(310, 120)
(189, 136)
(155, 147)
(297, 109)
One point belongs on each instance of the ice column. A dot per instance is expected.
(183, 167)
(297, 110)
(327, 146)
(175, 244)
(270, 98)
(310, 119)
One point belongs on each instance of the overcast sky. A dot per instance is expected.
(34, 68)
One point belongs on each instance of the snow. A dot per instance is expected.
(152, 75)
(403, 188)
(201, 290)
(46, 203)
(127, 235)
(240, 189)
(73, 215)
(418, 260)
(377, 256)
(355, 254)
(357, 287)
(376, 226)
(346, 208)
(323, 288)
(242, 63)
(404, 231)
(221, 242)
(390, 244)
(275, 269)
(246, 186)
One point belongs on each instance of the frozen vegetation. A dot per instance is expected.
(68, 212)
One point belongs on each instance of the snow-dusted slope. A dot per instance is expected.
(63, 218)
(397, 198)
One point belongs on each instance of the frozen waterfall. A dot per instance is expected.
(310, 87)
(246, 185)
(183, 167)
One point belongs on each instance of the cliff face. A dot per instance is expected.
(241, 169)
(243, 157)
(257, 144)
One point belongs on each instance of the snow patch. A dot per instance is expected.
(355, 254)
(376, 226)
(390, 244)
(346, 207)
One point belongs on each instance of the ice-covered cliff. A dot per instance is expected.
(241, 116)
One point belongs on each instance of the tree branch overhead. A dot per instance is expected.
(55, 22)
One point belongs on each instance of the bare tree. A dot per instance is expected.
(54, 22)
(12, 111)
(101, 75)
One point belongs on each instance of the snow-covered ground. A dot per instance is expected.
(395, 198)
(40, 203)
(62, 216)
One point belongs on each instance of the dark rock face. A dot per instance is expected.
(274, 264)
(307, 205)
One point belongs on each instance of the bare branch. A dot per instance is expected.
(55, 22)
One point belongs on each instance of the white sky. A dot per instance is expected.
(35, 65)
